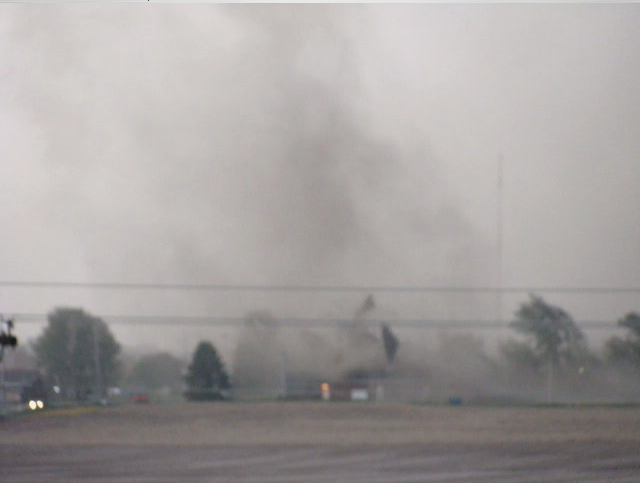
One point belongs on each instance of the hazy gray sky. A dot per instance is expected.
(328, 144)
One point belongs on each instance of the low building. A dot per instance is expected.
(21, 385)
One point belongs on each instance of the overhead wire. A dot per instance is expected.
(309, 288)
(301, 322)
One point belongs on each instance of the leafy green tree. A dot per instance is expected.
(207, 378)
(626, 351)
(632, 322)
(554, 357)
(555, 337)
(157, 371)
(78, 353)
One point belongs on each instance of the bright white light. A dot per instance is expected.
(33, 405)
(40, 404)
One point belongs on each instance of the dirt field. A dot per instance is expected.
(322, 442)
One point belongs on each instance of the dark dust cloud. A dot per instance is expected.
(326, 144)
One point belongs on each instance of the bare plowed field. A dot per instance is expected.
(322, 442)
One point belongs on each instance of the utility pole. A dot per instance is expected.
(3, 396)
(498, 301)
(550, 374)
(96, 360)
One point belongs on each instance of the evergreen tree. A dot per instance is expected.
(207, 378)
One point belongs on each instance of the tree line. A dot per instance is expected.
(81, 358)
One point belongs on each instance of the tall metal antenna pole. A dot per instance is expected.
(498, 300)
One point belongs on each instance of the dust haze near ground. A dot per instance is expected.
(314, 442)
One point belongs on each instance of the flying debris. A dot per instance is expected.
(390, 342)
(367, 306)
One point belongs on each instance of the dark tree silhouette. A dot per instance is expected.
(79, 353)
(207, 378)
(555, 352)
(626, 351)
(556, 337)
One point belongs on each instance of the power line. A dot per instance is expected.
(310, 288)
(302, 322)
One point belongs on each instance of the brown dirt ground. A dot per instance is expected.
(320, 442)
